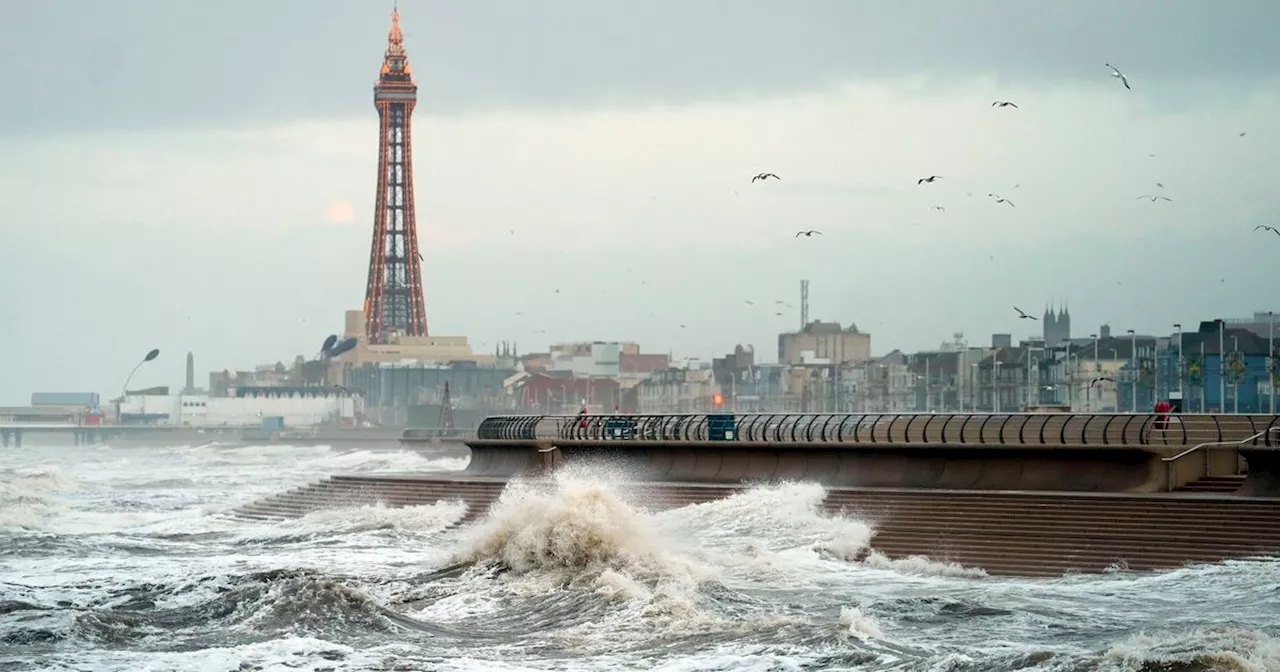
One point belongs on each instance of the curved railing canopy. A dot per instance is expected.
(1013, 429)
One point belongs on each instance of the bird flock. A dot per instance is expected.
(930, 179)
(764, 177)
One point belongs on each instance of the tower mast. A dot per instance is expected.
(393, 301)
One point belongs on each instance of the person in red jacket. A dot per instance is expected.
(1162, 414)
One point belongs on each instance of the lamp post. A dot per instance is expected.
(1096, 368)
(1030, 400)
(927, 406)
(973, 387)
(1235, 382)
(1271, 365)
(1133, 363)
(1179, 328)
(152, 354)
(1222, 366)
(995, 386)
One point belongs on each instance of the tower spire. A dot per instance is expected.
(393, 299)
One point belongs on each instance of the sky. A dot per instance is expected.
(200, 176)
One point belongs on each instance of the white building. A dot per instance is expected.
(296, 409)
(592, 360)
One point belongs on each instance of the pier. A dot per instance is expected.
(1023, 494)
(12, 435)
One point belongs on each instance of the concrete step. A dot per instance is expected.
(1223, 484)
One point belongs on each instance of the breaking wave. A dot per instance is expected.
(123, 559)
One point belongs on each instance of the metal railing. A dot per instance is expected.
(1013, 429)
(1170, 462)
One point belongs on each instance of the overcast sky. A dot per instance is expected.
(199, 176)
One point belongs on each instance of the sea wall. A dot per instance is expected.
(1057, 452)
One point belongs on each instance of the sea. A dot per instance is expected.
(127, 558)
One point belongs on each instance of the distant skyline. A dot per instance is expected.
(182, 177)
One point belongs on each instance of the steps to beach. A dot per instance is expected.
(1221, 484)
(1005, 533)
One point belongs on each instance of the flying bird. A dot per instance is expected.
(808, 234)
(1153, 199)
(765, 176)
(1004, 103)
(939, 208)
(1099, 379)
(1160, 185)
(750, 302)
(1272, 229)
(1024, 316)
(1001, 199)
(1115, 72)
(931, 178)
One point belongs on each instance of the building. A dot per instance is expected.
(247, 407)
(1057, 327)
(560, 393)
(411, 392)
(1227, 369)
(678, 390)
(824, 340)
(393, 300)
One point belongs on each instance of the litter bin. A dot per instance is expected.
(620, 428)
(720, 427)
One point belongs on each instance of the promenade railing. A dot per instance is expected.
(884, 429)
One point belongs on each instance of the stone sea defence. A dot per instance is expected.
(1024, 494)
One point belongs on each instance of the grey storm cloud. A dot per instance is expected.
(68, 65)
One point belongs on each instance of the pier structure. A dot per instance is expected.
(12, 435)
(1021, 494)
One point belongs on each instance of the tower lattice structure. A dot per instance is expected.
(393, 301)
(445, 421)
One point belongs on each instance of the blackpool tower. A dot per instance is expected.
(393, 302)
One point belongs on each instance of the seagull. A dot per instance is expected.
(1155, 198)
(1004, 103)
(765, 176)
(1000, 199)
(808, 234)
(750, 302)
(1099, 379)
(1272, 229)
(939, 208)
(1115, 72)
(1160, 185)
(931, 178)
(1024, 316)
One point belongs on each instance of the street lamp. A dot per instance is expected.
(1235, 382)
(973, 387)
(1271, 356)
(1096, 368)
(1222, 366)
(1179, 328)
(1133, 363)
(152, 354)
